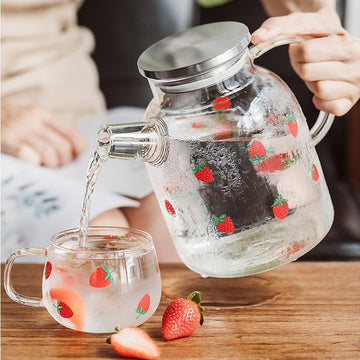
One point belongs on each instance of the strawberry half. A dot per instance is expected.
(182, 317)
(133, 342)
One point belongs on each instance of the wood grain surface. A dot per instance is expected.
(303, 310)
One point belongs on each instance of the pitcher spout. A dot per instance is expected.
(145, 141)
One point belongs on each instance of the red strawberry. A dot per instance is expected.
(203, 173)
(63, 310)
(272, 163)
(133, 342)
(64, 296)
(143, 305)
(101, 277)
(182, 317)
(155, 264)
(280, 207)
(221, 103)
(292, 124)
(257, 152)
(224, 224)
(48, 268)
(277, 162)
(314, 173)
(169, 208)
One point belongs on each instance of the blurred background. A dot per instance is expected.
(124, 29)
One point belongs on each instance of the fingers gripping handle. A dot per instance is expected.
(11, 292)
(324, 120)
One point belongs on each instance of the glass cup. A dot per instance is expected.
(113, 281)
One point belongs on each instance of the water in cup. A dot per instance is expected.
(115, 281)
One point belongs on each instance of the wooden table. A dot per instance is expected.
(304, 310)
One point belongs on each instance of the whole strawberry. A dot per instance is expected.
(182, 317)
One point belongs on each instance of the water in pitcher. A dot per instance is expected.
(241, 206)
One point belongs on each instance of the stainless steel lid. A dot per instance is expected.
(194, 51)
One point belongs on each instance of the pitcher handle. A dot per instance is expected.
(13, 294)
(324, 120)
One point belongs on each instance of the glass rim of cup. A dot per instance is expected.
(115, 234)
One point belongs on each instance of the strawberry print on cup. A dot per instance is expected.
(143, 305)
(155, 265)
(64, 310)
(101, 277)
(48, 269)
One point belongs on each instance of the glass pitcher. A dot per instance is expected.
(229, 153)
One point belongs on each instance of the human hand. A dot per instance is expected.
(329, 62)
(37, 136)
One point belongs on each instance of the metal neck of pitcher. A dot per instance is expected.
(145, 141)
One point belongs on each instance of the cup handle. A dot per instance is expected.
(324, 120)
(13, 294)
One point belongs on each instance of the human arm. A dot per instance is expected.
(329, 62)
(37, 136)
